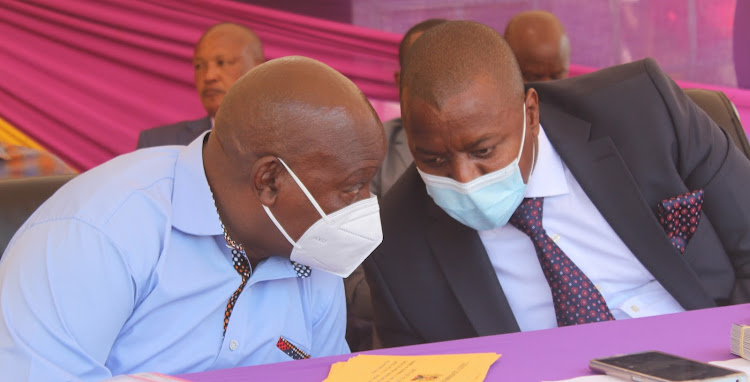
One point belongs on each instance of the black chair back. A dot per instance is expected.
(19, 198)
(718, 106)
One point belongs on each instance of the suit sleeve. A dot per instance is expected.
(65, 293)
(709, 159)
(390, 326)
(144, 140)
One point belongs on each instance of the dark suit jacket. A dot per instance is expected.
(631, 138)
(180, 133)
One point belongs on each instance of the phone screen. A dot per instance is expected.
(666, 366)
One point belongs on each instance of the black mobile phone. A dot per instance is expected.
(655, 366)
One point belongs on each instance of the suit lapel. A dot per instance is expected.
(468, 269)
(607, 181)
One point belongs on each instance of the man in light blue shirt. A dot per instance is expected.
(133, 266)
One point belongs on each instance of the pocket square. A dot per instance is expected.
(292, 351)
(679, 216)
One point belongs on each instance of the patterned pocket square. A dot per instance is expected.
(287, 347)
(679, 216)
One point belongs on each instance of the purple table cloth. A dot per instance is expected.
(545, 354)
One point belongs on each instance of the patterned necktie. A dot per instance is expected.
(576, 299)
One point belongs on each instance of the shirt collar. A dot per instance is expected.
(194, 210)
(275, 267)
(548, 176)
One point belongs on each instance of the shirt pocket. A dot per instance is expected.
(293, 349)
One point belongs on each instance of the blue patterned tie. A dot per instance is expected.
(576, 299)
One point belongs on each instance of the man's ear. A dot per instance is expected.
(532, 111)
(267, 172)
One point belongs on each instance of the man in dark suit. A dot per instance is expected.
(223, 54)
(601, 197)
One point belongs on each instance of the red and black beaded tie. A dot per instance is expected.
(242, 266)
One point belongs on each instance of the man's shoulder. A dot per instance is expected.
(180, 133)
(407, 194)
(137, 184)
(646, 70)
(405, 211)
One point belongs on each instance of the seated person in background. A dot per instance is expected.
(397, 160)
(177, 259)
(600, 197)
(223, 54)
(541, 46)
(21, 162)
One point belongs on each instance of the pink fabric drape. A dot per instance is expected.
(83, 78)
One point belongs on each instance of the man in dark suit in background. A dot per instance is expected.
(223, 54)
(601, 197)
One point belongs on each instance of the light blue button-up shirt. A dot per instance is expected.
(125, 270)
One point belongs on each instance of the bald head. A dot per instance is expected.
(302, 112)
(242, 35)
(453, 56)
(225, 52)
(291, 106)
(540, 44)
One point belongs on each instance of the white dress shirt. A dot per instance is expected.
(582, 233)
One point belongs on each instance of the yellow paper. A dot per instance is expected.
(427, 368)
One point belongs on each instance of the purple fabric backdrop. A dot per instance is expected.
(83, 78)
(742, 43)
(691, 39)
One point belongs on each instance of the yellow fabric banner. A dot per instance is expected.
(12, 136)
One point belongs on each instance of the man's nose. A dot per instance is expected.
(464, 171)
(212, 73)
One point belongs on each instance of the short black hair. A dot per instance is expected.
(421, 27)
(450, 57)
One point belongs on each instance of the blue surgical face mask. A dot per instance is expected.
(486, 202)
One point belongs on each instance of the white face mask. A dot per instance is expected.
(337, 243)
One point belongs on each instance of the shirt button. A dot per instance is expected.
(233, 345)
(635, 308)
(555, 238)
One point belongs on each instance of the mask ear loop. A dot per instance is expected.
(523, 136)
(281, 229)
(304, 189)
(309, 197)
